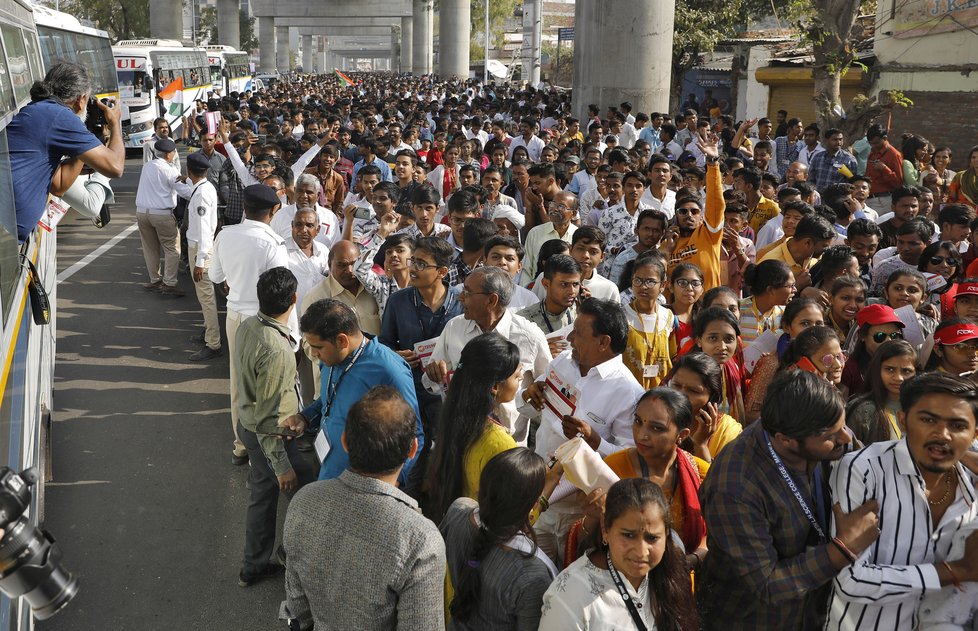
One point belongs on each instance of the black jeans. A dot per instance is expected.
(263, 503)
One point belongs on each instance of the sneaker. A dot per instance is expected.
(270, 570)
(239, 459)
(153, 286)
(172, 290)
(205, 354)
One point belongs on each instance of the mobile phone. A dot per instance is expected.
(806, 364)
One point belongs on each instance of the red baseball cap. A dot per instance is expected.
(956, 334)
(874, 315)
(969, 289)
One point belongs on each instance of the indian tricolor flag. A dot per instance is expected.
(173, 93)
(342, 77)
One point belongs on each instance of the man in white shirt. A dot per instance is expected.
(201, 226)
(156, 197)
(308, 258)
(926, 497)
(241, 253)
(812, 145)
(307, 189)
(561, 211)
(586, 390)
(658, 195)
(534, 144)
(485, 296)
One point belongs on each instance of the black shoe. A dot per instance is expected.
(198, 338)
(237, 460)
(153, 286)
(270, 570)
(205, 354)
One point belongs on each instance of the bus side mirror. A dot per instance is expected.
(147, 84)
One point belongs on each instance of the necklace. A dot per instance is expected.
(947, 492)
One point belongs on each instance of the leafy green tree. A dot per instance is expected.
(700, 24)
(122, 19)
(499, 11)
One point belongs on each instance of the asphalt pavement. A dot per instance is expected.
(144, 500)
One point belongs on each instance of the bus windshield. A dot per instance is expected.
(131, 84)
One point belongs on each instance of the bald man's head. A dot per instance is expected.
(342, 258)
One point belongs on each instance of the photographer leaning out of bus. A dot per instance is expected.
(49, 142)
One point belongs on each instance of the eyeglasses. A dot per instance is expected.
(788, 286)
(419, 264)
(688, 211)
(970, 347)
(686, 283)
(830, 358)
(940, 260)
(465, 293)
(645, 282)
(555, 207)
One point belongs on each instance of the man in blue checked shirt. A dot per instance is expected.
(834, 165)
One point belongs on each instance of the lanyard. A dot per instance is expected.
(649, 342)
(629, 602)
(893, 424)
(546, 320)
(425, 334)
(794, 490)
(333, 387)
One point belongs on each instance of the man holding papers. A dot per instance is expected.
(588, 391)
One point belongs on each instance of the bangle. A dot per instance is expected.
(954, 577)
(841, 547)
(544, 503)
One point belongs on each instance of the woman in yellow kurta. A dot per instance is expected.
(649, 323)
(468, 436)
(700, 378)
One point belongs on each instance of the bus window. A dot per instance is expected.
(17, 62)
(9, 263)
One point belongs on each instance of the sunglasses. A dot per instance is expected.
(940, 260)
(879, 337)
(829, 359)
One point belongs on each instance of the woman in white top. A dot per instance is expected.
(637, 579)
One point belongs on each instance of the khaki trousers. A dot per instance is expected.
(231, 328)
(160, 232)
(208, 304)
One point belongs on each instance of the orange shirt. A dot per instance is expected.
(702, 248)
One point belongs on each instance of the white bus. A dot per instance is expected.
(147, 66)
(63, 37)
(26, 348)
(230, 68)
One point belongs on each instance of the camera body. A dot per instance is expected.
(30, 559)
(95, 118)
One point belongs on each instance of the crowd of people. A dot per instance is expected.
(436, 290)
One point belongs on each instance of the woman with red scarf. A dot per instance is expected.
(663, 418)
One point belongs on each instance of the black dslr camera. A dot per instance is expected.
(95, 118)
(30, 559)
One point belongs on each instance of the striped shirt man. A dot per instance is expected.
(883, 589)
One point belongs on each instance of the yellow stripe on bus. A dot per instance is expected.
(13, 339)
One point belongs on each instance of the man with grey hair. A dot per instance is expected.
(307, 189)
(51, 128)
(485, 296)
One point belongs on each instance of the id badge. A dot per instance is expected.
(322, 445)
(650, 371)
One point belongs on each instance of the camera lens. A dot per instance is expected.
(30, 566)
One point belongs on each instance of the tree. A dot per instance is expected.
(833, 32)
(123, 19)
(700, 24)
(207, 32)
(499, 11)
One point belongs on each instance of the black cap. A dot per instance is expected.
(197, 161)
(165, 145)
(260, 197)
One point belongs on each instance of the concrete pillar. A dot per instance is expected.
(266, 43)
(307, 53)
(622, 52)
(166, 20)
(423, 27)
(407, 44)
(532, 40)
(228, 23)
(454, 32)
(319, 60)
(395, 58)
(282, 48)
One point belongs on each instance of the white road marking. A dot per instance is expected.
(99, 251)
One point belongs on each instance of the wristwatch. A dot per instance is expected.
(712, 160)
